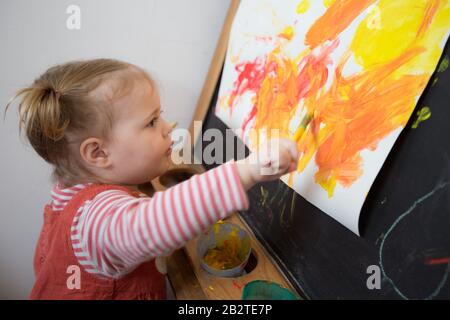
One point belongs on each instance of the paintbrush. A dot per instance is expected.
(302, 127)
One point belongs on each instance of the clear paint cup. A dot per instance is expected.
(216, 238)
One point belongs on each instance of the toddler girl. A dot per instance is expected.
(98, 123)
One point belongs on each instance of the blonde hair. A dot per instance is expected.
(62, 108)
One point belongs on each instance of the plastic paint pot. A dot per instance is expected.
(224, 241)
(266, 290)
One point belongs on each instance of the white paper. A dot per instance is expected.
(262, 26)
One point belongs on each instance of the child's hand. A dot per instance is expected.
(272, 160)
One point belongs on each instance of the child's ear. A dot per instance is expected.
(94, 153)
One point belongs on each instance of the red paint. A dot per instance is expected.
(254, 75)
(236, 285)
(313, 72)
(434, 262)
(251, 75)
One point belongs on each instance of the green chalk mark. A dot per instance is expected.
(264, 196)
(422, 115)
(443, 65)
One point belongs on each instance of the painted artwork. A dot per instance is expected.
(340, 77)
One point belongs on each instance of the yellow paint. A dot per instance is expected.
(226, 255)
(328, 3)
(287, 33)
(302, 7)
(373, 20)
(399, 32)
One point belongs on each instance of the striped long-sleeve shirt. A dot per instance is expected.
(114, 232)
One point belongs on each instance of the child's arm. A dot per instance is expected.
(117, 231)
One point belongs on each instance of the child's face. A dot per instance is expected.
(141, 144)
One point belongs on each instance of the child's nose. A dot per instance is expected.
(168, 128)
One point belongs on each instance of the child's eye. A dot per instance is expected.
(153, 122)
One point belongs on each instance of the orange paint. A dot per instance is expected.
(354, 113)
(336, 19)
(430, 11)
(357, 112)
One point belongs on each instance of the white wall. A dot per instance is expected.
(173, 39)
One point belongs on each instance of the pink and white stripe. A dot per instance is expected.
(115, 232)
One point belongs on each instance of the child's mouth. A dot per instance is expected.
(169, 151)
